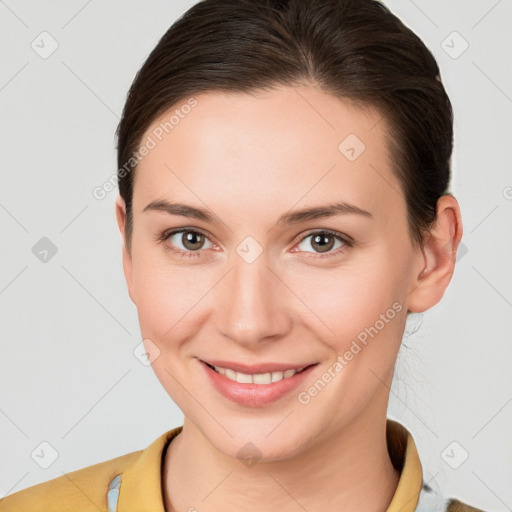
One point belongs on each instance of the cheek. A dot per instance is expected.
(168, 298)
(358, 314)
(344, 301)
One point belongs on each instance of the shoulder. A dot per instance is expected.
(431, 499)
(454, 505)
(96, 488)
(84, 489)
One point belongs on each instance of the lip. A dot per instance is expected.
(255, 395)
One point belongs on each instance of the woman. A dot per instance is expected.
(284, 170)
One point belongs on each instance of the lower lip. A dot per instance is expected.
(255, 395)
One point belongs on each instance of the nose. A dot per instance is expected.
(253, 303)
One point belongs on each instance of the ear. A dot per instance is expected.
(439, 253)
(127, 258)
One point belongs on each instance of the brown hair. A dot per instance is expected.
(353, 49)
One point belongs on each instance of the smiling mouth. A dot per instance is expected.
(257, 378)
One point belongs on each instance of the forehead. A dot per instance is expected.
(288, 145)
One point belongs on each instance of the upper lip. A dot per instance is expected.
(256, 368)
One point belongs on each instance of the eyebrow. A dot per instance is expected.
(322, 212)
(295, 217)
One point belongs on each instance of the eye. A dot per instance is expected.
(323, 242)
(185, 242)
(188, 243)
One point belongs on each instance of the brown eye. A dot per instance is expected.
(192, 240)
(187, 240)
(322, 242)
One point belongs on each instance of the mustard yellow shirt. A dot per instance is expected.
(133, 483)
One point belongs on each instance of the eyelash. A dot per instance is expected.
(348, 242)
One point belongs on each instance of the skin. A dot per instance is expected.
(250, 159)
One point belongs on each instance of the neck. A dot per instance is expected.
(350, 470)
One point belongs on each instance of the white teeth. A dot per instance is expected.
(243, 378)
(262, 378)
(257, 378)
(230, 374)
(277, 376)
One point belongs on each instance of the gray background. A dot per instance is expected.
(68, 373)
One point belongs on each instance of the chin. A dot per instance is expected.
(260, 440)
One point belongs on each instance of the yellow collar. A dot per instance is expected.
(141, 483)
(403, 453)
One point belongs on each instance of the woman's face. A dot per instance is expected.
(246, 288)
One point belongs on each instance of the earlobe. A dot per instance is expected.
(120, 207)
(439, 253)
